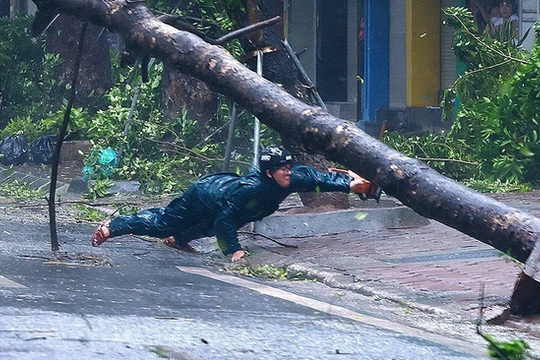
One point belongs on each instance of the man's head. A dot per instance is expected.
(276, 163)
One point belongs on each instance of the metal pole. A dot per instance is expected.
(305, 76)
(230, 138)
(132, 110)
(257, 126)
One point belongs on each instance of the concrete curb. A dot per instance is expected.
(334, 280)
(335, 222)
(310, 271)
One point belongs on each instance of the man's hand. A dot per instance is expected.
(358, 184)
(239, 254)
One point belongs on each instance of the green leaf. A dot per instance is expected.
(526, 151)
(361, 216)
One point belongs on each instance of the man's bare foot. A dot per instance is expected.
(239, 254)
(102, 233)
(183, 247)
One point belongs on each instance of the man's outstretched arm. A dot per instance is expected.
(358, 184)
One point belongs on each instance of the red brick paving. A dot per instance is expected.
(409, 260)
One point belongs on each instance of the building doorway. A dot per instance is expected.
(332, 49)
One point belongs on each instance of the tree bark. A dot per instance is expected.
(412, 182)
(95, 76)
(184, 91)
(525, 297)
(181, 91)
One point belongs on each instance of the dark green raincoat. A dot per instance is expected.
(220, 204)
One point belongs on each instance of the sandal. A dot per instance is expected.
(170, 242)
(102, 233)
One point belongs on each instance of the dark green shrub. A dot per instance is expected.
(28, 75)
(497, 123)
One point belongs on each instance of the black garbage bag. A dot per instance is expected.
(42, 149)
(14, 150)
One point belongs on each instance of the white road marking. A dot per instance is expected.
(340, 311)
(6, 283)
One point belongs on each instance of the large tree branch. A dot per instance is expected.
(411, 181)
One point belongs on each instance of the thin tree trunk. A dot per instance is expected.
(412, 182)
(181, 91)
(58, 148)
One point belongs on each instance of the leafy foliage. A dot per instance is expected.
(99, 188)
(498, 93)
(49, 123)
(20, 191)
(28, 76)
(490, 60)
(215, 18)
(495, 186)
(493, 143)
(440, 152)
(507, 350)
(164, 156)
(87, 213)
(266, 271)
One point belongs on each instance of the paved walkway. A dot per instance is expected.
(433, 264)
(430, 268)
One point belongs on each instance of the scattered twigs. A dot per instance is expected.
(268, 238)
(309, 84)
(479, 322)
(246, 30)
(124, 203)
(153, 240)
(240, 232)
(184, 26)
(142, 254)
(86, 321)
(33, 257)
(59, 203)
(180, 149)
(70, 259)
(448, 160)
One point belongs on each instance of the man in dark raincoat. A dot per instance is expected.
(220, 204)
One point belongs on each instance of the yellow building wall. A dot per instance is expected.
(423, 52)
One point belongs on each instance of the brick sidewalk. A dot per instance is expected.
(434, 264)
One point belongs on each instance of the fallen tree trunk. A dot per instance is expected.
(424, 190)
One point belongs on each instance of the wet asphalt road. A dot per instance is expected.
(128, 300)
